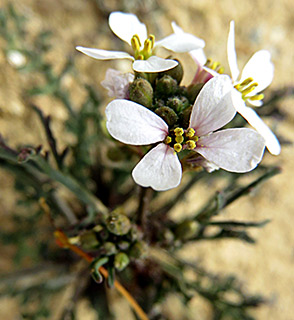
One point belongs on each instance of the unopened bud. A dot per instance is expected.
(193, 91)
(186, 230)
(139, 250)
(176, 73)
(88, 240)
(140, 91)
(109, 248)
(168, 115)
(178, 103)
(121, 260)
(123, 245)
(118, 223)
(166, 86)
(186, 117)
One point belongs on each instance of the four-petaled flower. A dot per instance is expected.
(236, 150)
(256, 75)
(128, 28)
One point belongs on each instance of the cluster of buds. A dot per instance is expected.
(181, 123)
(114, 243)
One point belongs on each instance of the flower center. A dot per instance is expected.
(246, 87)
(147, 51)
(215, 66)
(181, 139)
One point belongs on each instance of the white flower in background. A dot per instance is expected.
(16, 58)
(117, 83)
(128, 28)
(236, 150)
(255, 77)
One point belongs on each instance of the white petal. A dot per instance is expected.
(160, 169)
(154, 64)
(231, 52)
(198, 56)
(126, 25)
(256, 122)
(117, 83)
(261, 69)
(131, 123)
(235, 150)
(104, 54)
(213, 107)
(255, 103)
(176, 28)
(183, 42)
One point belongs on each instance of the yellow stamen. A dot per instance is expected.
(179, 139)
(249, 89)
(246, 82)
(168, 140)
(191, 144)
(136, 43)
(257, 97)
(190, 133)
(179, 131)
(177, 147)
(152, 39)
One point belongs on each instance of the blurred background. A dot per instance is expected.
(267, 266)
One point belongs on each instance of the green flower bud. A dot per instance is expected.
(178, 103)
(168, 115)
(139, 250)
(186, 230)
(176, 73)
(117, 223)
(121, 260)
(140, 91)
(185, 117)
(88, 240)
(193, 91)
(166, 86)
(123, 245)
(109, 248)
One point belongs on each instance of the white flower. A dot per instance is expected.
(236, 150)
(117, 83)
(255, 77)
(128, 28)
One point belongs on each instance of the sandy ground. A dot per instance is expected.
(266, 267)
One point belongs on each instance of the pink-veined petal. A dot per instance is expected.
(231, 52)
(261, 69)
(154, 64)
(131, 123)
(256, 122)
(213, 107)
(235, 150)
(160, 169)
(101, 54)
(126, 25)
(183, 42)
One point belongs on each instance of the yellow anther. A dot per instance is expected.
(152, 39)
(221, 70)
(179, 139)
(191, 144)
(246, 82)
(208, 63)
(140, 57)
(168, 140)
(215, 65)
(179, 131)
(257, 97)
(249, 89)
(136, 43)
(190, 133)
(177, 147)
(147, 47)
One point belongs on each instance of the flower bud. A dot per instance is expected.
(109, 248)
(186, 230)
(88, 240)
(186, 117)
(176, 73)
(168, 115)
(166, 86)
(139, 250)
(117, 223)
(123, 245)
(178, 103)
(140, 91)
(121, 260)
(193, 91)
